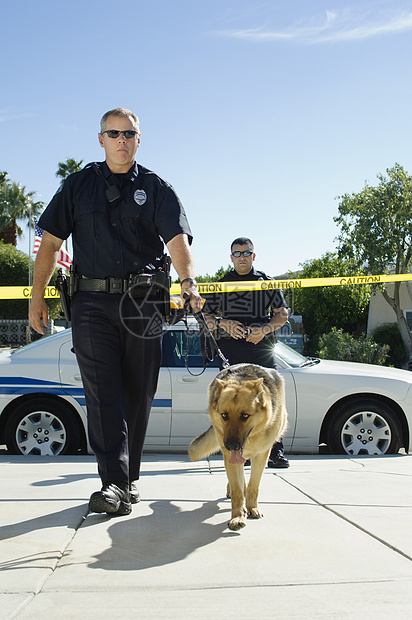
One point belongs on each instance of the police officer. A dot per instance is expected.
(120, 215)
(246, 320)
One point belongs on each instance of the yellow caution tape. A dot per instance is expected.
(265, 285)
(24, 292)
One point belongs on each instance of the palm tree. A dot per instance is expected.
(68, 167)
(15, 204)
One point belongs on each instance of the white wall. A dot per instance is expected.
(381, 312)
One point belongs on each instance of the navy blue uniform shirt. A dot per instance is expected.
(248, 307)
(115, 241)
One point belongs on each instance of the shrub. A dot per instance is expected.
(338, 345)
(389, 334)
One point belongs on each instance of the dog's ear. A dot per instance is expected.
(254, 385)
(215, 389)
(219, 385)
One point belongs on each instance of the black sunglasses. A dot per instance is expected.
(114, 133)
(244, 253)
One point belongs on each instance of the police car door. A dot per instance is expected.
(189, 383)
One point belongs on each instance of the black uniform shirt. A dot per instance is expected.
(115, 241)
(248, 307)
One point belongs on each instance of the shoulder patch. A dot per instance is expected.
(59, 189)
(263, 276)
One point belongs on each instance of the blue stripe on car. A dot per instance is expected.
(24, 385)
(26, 381)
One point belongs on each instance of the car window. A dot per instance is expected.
(181, 347)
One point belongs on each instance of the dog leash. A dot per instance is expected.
(208, 344)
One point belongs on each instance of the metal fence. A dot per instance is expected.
(15, 332)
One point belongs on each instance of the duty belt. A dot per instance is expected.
(136, 285)
(107, 285)
(148, 283)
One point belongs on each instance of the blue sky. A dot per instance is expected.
(259, 113)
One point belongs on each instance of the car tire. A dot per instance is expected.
(42, 427)
(364, 427)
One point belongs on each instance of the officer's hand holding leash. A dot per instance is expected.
(209, 345)
(190, 293)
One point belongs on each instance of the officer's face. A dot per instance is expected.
(120, 151)
(242, 264)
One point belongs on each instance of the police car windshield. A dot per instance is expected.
(291, 357)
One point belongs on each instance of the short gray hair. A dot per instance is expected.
(122, 112)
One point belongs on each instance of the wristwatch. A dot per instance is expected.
(191, 280)
(217, 321)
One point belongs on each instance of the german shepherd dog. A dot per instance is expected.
(248, 415)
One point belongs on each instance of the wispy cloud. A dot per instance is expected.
(10, 114)
(335, 26)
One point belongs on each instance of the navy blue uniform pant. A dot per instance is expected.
(117, 342)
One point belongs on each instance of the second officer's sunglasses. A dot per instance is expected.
(244, 253)
(114, 133)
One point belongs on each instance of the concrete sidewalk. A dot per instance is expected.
(335, 542)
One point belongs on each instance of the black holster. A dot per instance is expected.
(62, 285)
(154, 284)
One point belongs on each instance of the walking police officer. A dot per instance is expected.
(120, 215)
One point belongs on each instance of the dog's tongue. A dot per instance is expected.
(236, 457)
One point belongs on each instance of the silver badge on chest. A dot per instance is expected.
(140, 196)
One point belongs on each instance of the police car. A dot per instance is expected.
(333, 407)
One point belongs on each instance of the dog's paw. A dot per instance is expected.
(254, 513)
(237, 523)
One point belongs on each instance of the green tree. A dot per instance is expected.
(16, 203)
(325, 307)
(14, 271)
(208, 278)
(376, 233)
(68, 167)
(219, 274)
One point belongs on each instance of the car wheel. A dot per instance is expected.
(365, 427)
(41, 427)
